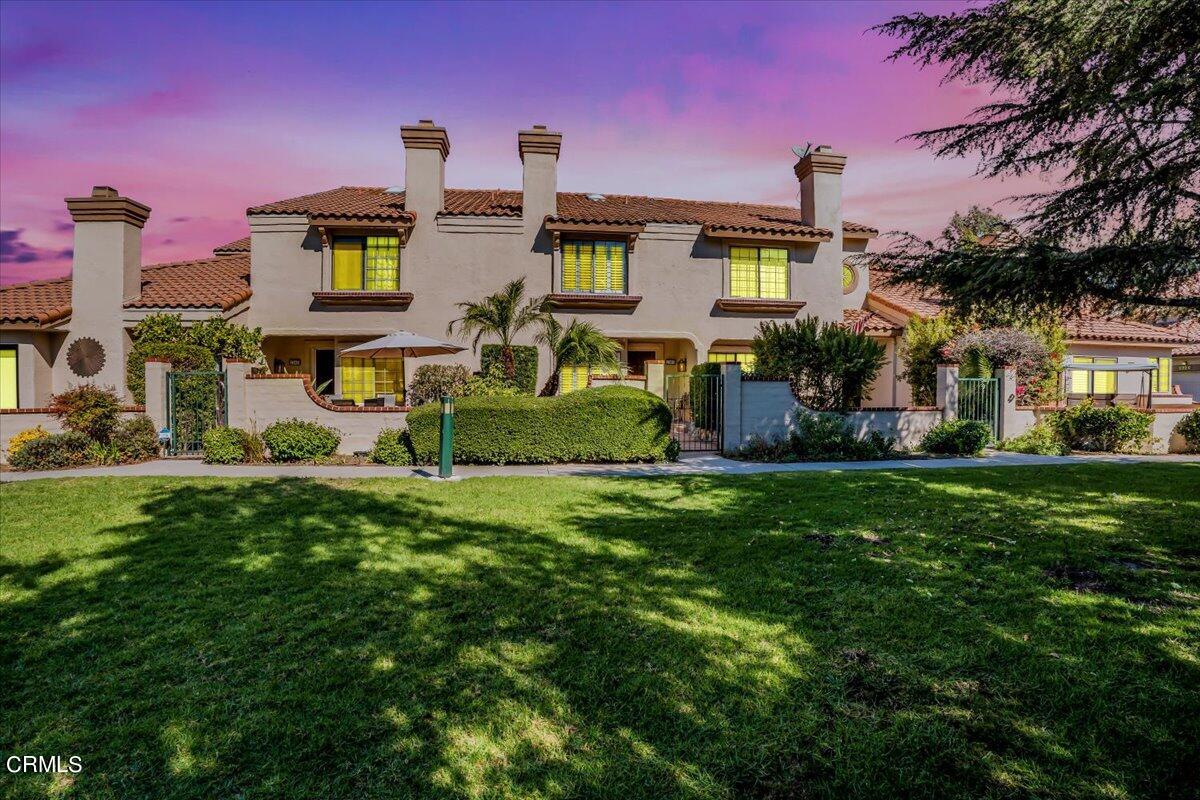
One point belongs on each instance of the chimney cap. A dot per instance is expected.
(426, 136)
(104, 191)
(104, 204)
(539, 139)
(821, 158)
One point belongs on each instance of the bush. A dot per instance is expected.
(184, 357)
(431, 381)
(224, 445)
(491, 383)
(253, 447)
(703, 394)
(24, 437)
(392, 448)
(979, 352)
(226, 339)
(957, 437)
(56, 451)
(820, 437)
(300, 440)
(610, 424)
(135, 439)
(921, 350)
(102, 455)
(1041, 440)
(829, 367)
(673, 449)
(1188, 428)
(91, 410)
(525, 359)
(1109, 429)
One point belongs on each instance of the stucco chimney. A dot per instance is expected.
(426, 147)
(539, 150)
(105, 272)
(820, 176)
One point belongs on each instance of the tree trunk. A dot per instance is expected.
(509, 363)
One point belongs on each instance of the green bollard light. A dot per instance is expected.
(446, 459)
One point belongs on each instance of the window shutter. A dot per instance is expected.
(347, 264)
(616, 266)
(570, 266)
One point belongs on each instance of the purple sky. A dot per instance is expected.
(200, 110)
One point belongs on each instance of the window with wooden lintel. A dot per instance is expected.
(366, 264)
(760, 272)
(593, 266)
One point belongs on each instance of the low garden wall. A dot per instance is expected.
(15, 420)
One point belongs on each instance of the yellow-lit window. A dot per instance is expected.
(758, 272)
(366, 263)
(1104, 382)
(8, 377)
(1086, 382)
(849, 278)
(745, 359)
(366, 378)
(589, 266)
(1164, 375)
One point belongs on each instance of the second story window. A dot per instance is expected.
(758, 272)
(589, 266)
(366, 264)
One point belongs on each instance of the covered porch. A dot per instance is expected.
(1141, 382)
(341, 380)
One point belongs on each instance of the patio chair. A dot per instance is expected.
(373, 402)
(342, 401)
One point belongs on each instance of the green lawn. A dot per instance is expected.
(1008, 632)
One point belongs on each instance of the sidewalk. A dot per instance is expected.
(698, 464)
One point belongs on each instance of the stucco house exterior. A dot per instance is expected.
(675, 282)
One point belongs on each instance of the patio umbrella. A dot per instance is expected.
(402, 344)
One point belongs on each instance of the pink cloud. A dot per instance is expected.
(174, 102)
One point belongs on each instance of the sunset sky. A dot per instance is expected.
(200, 110)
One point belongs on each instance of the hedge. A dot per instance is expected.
(525, 358)
(610, 424)
(300, 440)
(56, 451)
(1105, 429)
(957, 437)
(184, 357)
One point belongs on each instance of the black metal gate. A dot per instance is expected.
(195, 403)
(979, 400)
(697, 411)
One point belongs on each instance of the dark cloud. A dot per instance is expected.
(181, 219)
(64, 227)
(15, 250)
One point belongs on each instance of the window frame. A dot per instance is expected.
(747, 360)
(848, 267)
(758, 274)
(1091, 375)
(565, 242)
(362, 269)
(350, 361)
(1163, 376)
(16, 358)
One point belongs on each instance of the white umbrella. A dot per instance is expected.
(402, 344)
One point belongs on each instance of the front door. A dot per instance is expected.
(637, 359)
(323, 372)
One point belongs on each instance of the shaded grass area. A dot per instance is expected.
(978, 633)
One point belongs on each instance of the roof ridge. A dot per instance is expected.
(42, 282)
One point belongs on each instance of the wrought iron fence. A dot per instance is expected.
(979, 400)
(697, 411)
(196, 401)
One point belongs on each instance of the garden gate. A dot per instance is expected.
(196, 401)
(979, 400)
(697, 411)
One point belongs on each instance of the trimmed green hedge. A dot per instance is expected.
(957, 437)
(392, 448)
(184, 357)
(300, 440)
(525, 358)
(611, 424)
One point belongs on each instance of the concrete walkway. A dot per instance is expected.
(697, 464)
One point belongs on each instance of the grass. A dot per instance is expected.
(1015, 632)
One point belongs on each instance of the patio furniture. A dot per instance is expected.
(373, 402)
(341, 401)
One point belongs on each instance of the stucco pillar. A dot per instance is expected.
(947, 390)
(656, 378)
(237, 412)
(731, 407)
(539, 149)
(156, 392)
(1006, 382)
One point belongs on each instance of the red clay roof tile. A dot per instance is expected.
(869, 320)
(35, 303)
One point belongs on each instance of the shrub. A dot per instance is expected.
(1188, 428)
(300, 440)
(135, 439)
(253, 447)
(431, 381)
(491, 383)
(226, 339)
(703, 394)
(1109, 429)
(819, 437)
(24, 437)
(224, 445)
(525, 359)
(922, 352)
(1041, 440)
(979, 352)
(673, 449)
(829, 367)
(102, 454)
(393, 448)
(56, 451)
(90, 410)
(957, 437)
(182, 355)
(610, 424)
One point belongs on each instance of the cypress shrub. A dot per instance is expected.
(525, 358)
(611, 424)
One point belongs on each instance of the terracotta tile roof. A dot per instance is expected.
(241, 245)
(221, 282)
(35, 303)
(921, 302)
(363, 202)
(870, 321)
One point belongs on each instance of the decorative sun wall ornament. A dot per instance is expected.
(85, 357)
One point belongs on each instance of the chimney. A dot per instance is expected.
(820, 176)
(539, 180)
(426, 147)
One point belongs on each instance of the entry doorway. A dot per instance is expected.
(323, 371)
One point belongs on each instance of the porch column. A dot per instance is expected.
(237, 413)
(731, 407)
(947, 390)
(656, 378)
(1006, 415)
(156, 391)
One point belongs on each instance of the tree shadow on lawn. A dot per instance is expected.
(691, 637)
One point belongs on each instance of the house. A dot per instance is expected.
(674, 281)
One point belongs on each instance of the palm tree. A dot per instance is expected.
(502, 315)
(578, 343)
